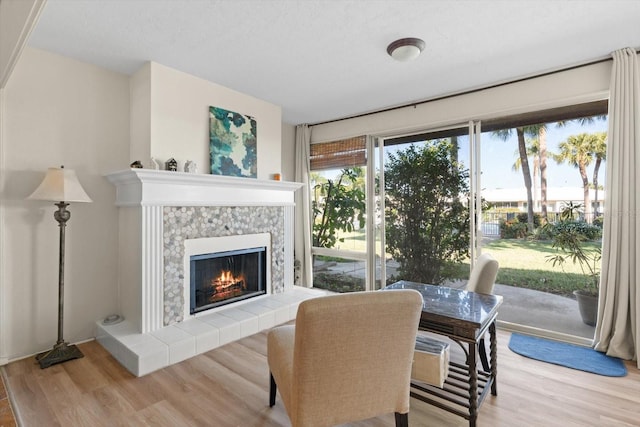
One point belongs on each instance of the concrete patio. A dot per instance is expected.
(542, 310)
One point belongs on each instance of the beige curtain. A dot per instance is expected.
(303, 218)
(618, 327)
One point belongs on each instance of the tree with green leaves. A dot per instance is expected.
(600, 149)
(427, 225)
(337, 205)
(538, 132)
(541, 130)
(579, 152)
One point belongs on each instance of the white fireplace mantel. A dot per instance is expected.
(144, 194)
(144, 342)
(148, 187)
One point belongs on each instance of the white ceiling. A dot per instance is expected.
(326, 59)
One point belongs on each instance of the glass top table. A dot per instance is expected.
(464, 317)
(461, 314)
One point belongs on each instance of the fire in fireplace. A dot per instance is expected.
(224, 277)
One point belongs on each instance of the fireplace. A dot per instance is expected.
(219, 271)
(165, 219)
(222, 278)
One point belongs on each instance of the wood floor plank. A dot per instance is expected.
(229, 386)
(25, 388)
(84, 374)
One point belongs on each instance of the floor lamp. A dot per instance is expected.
(60, 185)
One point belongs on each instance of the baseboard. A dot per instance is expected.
(6, 360)
(544, 333)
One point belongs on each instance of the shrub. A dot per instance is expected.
(569, 245)
(337, 204)
(427, 221)
(513, 229)
(542, 233)
(585, 230)
(338, 282)
(598, 221)
(523, 218)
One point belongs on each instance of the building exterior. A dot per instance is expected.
(515, 199)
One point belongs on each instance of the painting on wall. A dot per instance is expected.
(232, 143)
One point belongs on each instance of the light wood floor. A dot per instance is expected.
(229, 387)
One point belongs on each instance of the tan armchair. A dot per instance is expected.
(482, 280)
(483, 275)
(347, 358)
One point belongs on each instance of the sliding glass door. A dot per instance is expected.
(542, 182)
(423, 206)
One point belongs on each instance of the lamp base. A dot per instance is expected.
(60, 352)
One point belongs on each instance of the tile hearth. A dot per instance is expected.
(142, 353)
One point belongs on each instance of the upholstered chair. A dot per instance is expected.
(482, 280)
(347, 358)
(483, 275)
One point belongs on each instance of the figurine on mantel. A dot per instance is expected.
(136, 165)
(154, 164)
(171, 165)
(190, 166)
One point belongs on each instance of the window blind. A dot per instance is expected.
(345, 153)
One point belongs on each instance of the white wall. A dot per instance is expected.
(288, 152)
(560, 89)
(179, 118)
(140, 117)
(60, 111)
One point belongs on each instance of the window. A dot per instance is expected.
(338, 207)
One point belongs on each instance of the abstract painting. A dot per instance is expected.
(232, 143)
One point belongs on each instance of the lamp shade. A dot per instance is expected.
(60, 185)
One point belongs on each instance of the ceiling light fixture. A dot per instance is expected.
(405, 49)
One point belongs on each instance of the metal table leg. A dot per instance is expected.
(473, 384)
(494, 358)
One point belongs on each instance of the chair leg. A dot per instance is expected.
(483, 355)
(272, 390)
(402, 420)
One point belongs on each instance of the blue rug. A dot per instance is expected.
(569, 355)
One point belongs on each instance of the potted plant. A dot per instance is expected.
(569, 239)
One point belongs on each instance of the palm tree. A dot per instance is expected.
(600, 150)
(539, 132)
(504, 134)
(600, 153)
(578, 151)
(454, 148)
(542, 148)
(533, 151)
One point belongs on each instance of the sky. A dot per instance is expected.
(499, 156)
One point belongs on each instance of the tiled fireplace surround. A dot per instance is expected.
(163, 212)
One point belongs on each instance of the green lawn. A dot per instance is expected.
(522, 264)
